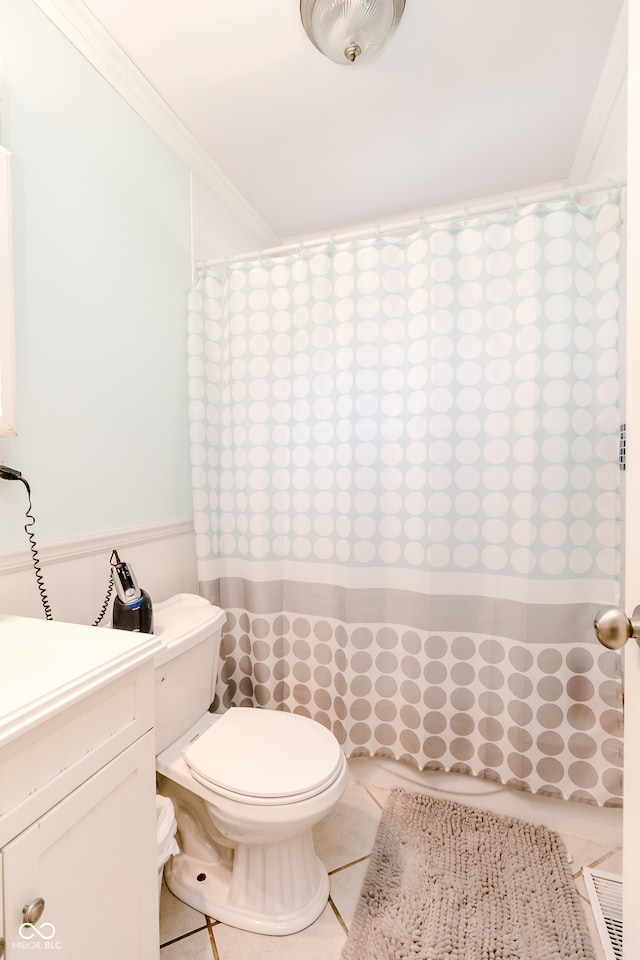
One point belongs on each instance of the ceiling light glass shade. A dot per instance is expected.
(350, 31)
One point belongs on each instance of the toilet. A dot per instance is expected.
(247, 785)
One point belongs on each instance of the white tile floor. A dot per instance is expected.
(344, 840)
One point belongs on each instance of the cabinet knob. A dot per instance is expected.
(32, 912)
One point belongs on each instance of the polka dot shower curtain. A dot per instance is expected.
(406, 491)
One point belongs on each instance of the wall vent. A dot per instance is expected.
(605, 894)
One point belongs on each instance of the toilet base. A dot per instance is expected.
(292, 891)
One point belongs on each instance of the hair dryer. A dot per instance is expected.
(132, 607)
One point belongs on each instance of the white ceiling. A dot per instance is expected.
(471, 98)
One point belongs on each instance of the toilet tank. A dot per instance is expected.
(190, 629)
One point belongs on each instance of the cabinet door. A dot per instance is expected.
(92, 858)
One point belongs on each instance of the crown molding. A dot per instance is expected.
(88, 35)
(611, 78)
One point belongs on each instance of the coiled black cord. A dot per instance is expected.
(34, 553)
(9, 473)
(105, 605)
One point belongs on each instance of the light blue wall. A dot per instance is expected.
(102, 267)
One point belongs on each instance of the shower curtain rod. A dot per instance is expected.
(407, 226)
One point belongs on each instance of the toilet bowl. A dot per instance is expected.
(247, 786)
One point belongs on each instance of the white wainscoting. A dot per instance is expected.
(76, 571)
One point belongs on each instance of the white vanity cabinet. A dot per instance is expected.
(78, 829)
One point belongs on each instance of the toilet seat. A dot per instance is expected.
(265, 757)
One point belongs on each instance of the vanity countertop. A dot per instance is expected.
(46, 665)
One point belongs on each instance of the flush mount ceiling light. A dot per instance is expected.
(350, 31)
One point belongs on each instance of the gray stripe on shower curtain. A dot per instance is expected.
(531, 623)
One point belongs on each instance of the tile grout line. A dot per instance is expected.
(604, 856)
(375, 799)
(598, 860)
(345, 866)
(183, 936)
(339, 916)
(210, 925)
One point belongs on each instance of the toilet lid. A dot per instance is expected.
(265, 754)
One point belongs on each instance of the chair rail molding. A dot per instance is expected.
(15, 559)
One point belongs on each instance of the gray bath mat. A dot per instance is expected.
(449, 882)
